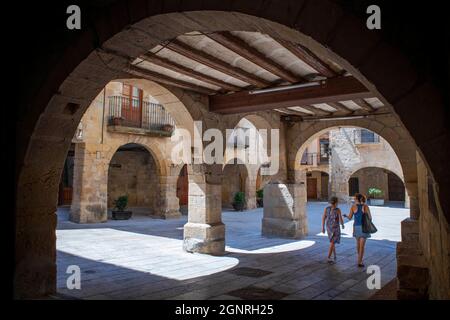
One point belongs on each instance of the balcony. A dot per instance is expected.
(314, 159)
(139, 117)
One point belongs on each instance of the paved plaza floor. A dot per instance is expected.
(142, 258)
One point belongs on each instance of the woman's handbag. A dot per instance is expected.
(367, 225)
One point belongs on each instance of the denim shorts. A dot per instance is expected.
(358, 233)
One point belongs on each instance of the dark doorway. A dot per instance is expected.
(353, 186)
(183, 187)
(396, 189)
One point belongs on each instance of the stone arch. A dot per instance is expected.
(395, 135)
(396, 173)
(143, 195)
(75, 83)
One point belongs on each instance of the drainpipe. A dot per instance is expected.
(103, 112)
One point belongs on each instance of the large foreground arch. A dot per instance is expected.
(53, 105)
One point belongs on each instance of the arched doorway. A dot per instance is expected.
(133, 172)
(234, 181)
(391, 186)
(183, 189)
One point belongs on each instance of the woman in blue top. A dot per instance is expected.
(357, 211)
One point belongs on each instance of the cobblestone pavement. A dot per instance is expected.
(142, 258)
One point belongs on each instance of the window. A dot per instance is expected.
(366, 136)
(324, 150)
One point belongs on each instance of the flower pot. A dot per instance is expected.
(238, 206)
(117, 121)
(167, 128)
(121, 215)
(259, 202)
(376, 202)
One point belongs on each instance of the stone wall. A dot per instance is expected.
(347, 158)
(133, 173)
(233, 181)
(434, 233)
(372, 178)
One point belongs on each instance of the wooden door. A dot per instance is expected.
(353, 186)
(311, 188)
(396, 189)
(183, 187)
(132, 106)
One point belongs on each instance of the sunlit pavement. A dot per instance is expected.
(142, 258)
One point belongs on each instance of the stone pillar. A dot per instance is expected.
(204, 232)
(412, 270)
(90, 183)
(168, 205)
(250, 193)
(285, 208)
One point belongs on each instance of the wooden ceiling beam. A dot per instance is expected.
(243, 49)
(331, 90)
(316, 111)
(156, 77)
(214, 63)
(341, 107)
(166, 63)
(364, 105)
(309, 58)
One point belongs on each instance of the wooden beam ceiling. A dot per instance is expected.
(364, 105)
(317, 111)
(340, 107)
(331, 90)
(154, 76)
(214, 63)
(241, 48)
(166, 63)
(309, 58)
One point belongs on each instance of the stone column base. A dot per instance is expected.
(88, 214)
(273, 227)
(412, 270)
(204, 238)
(168, 215)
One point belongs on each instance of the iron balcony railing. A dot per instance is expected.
(313, 158)
(309, 158)
(135, 113)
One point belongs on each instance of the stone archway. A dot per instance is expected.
(391, 131)
(43, 141)
(378, 177)
(133, 172)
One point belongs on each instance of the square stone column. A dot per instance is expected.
(285, 210)
(412, 269)
(169, 206)
(204, 232)
(90, 183)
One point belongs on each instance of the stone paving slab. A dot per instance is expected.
(142, 258)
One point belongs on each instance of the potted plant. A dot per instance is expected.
(120, 204)
(117, 121)
(376, 197)
(239, 201)
(259, 198)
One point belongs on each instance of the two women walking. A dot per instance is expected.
(332, 218)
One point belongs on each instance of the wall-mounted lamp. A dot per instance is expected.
(283, 88)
